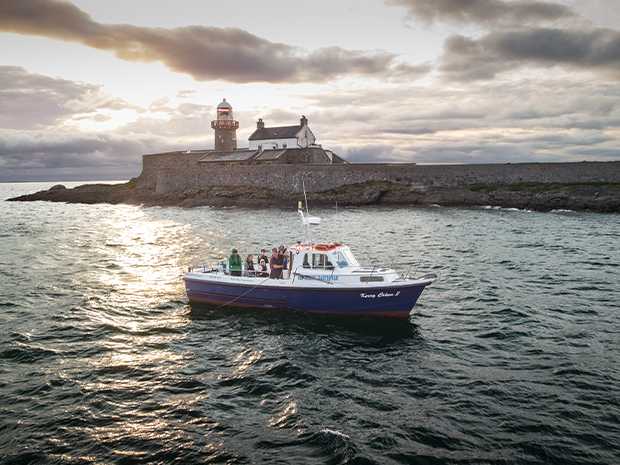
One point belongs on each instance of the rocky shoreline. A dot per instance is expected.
(587, 196)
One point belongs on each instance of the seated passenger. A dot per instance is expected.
(234, 263)
(263, 256)
(262, 267)
(249, 264)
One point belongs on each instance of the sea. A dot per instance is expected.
(511, 357)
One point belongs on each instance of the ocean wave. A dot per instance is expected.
(507, 209)
(521, 328)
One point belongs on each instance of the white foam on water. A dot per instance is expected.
(335, 433)
(506, 209)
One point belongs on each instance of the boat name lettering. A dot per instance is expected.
(363, 295)
(320, 277)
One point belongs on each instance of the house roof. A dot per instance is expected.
(277, 132)
(267, 155)
(310, 155)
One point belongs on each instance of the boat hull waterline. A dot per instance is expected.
(389, 301)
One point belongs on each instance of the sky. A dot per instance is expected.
(89, 86)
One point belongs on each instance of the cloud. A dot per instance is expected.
(421, 110)
(205, 53)
(485, 12)
(474, 151)
(532, 119)
(30, 100)
(185, 93)
(468, 59)
(63, 155)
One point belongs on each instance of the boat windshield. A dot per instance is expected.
(345, 258)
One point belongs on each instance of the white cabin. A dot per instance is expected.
(281, 137)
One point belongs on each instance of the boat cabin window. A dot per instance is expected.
(341, 260)
(319, 260)
(349, 256)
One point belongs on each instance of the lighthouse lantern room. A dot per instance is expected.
(225, 128)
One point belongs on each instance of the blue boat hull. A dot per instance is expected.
(392, 302)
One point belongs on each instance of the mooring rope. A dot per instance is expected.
(242, 295)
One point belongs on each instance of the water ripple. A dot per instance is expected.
(510, 357)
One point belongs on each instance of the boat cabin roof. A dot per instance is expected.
(328, 247)
(322, 256)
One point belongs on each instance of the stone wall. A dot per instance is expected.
(178, 172)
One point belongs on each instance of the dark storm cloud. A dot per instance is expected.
(30, 100)
(205, 53)
(468, 59)
(478, 151)
(531, 103)
(439, 153)
(42, 155)
(485, 12)
(596, 153)
(44, 150)
(533, 119)
(373, 153)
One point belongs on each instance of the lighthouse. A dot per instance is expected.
(225, 128)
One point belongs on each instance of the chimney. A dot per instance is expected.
(260, 124)
(303, 121)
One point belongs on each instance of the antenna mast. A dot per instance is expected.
(306, 219)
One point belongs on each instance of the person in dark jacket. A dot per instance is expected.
(234, 263)
(276, 264)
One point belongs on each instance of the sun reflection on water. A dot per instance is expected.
(245, 360)
(147, 254)
(284, 416)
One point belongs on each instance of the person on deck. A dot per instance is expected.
(263, 256)
(276, 264)
(282, 252)
(234, 263)
(262, 266)
(249, 264)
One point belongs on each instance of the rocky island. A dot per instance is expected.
(575, 186)
(280, 162)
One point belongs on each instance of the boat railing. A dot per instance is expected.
(205, 268)
(222, 267)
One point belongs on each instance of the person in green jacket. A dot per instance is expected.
(234, 263)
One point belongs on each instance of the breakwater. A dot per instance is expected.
(181, 179)
(174, 172)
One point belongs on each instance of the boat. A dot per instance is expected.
(321, 278)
